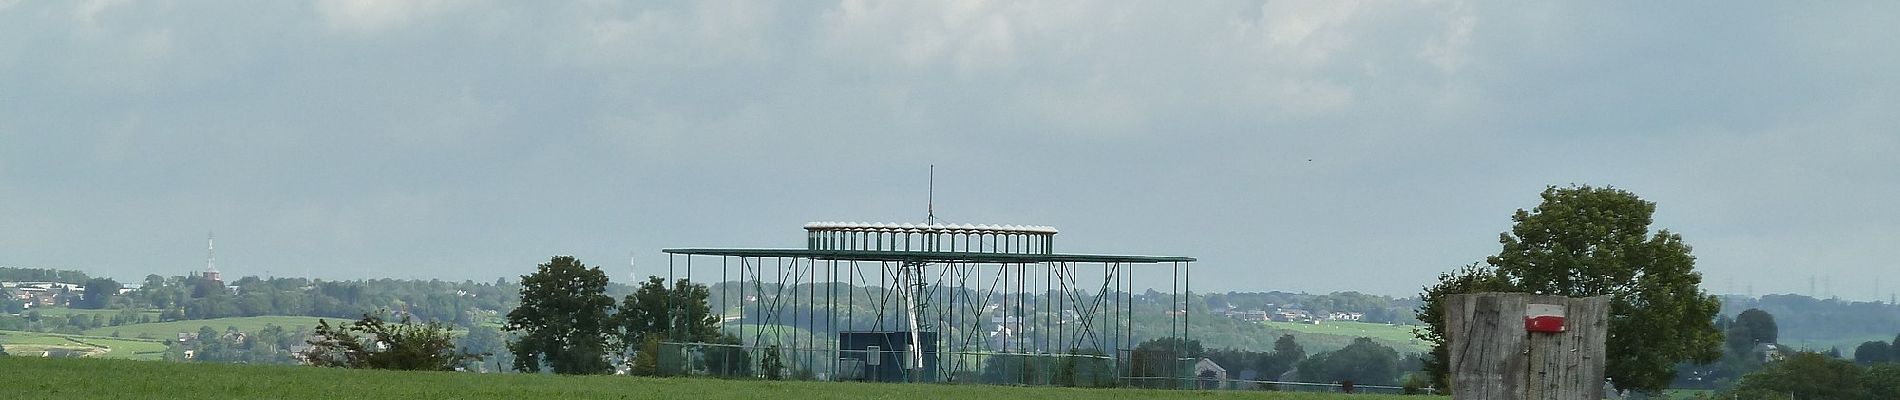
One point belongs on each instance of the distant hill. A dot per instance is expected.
(1819, 324)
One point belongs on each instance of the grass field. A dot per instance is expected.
(1391, 333)
(62, 312)
(168, 330)
(25, 343)
(68, 379)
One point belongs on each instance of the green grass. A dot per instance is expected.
(67, 379)
(1401, 334)
(170, 330)
(22, 343)
(61, 312)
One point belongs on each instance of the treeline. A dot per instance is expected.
(1380, 309)
(18, 274)
(1806, 318)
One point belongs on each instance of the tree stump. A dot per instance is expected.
(1495, 355)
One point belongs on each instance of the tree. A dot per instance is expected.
(1286, 354)
(1873, 352)
(728, 359)
(1362, 362)
(1583, 241)
(1158, 362)
(1803, 376)
(1895, 346)
(1883, 381)
(677, 314)
(563, 320)
(404, 345)
(773, 363)
(1752, 327)
(99, 293)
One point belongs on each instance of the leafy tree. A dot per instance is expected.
(1158, 362)
(677, 314)
(1286, 354)
(1362, 362)
(99, 293)
(1873, 352)
(773, 363)
(1803, 376)
(1584, 241)
(1883, 381)
(563, 320)
(1750, 328)
(374, 343)
(646, 360)
(728, 359)
(1896, 348)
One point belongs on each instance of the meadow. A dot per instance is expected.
(170, 330)
(67, 379)
(33, 343)
(1394, 334)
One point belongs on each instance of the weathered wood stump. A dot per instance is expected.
(1496, 355)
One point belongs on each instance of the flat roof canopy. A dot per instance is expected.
(930, 256)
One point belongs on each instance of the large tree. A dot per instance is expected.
(655, 314)
(1362, 362)
(1585, 241)
(98, 294)
(1751, 327)
(563, 320)
(1286, 353)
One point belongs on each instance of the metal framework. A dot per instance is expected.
(949, 302)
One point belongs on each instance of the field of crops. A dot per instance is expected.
(68, 379)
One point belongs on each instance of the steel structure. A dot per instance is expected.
(950, 302)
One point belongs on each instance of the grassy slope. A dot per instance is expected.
(1400, 334)
(25, 342)
(62, 312)
(170, 330)
(36, 378)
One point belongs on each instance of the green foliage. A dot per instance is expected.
(1164, 358)
(1584, 241)
(1750, 328)
(490, 342)
(563, 319)
(15, 274)
(727, 358)
(1362, 362)
(676, 314)
(99, 294)
(1286, 354)
(773, 363)
(375, 343)
(1873, 352)
(646, 358)
(1804, 376)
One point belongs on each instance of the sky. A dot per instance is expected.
(1300, 146)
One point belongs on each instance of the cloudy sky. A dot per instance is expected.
(1312, 146)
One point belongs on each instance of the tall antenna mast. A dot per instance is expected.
(211, 252)
(930, 198)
